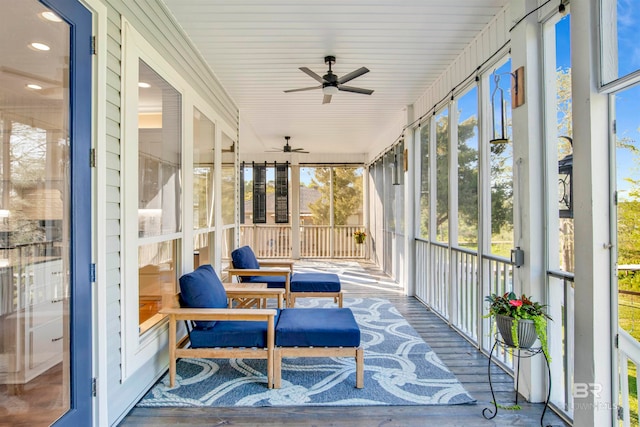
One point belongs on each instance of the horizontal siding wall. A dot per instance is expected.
(486, 44)
(112, 208)
(151, 20)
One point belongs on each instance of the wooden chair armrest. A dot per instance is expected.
(255, 293)
(274, 263)
(258, 272)
(208, 314)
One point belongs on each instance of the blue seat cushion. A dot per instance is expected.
(271, 281)
(315, 282)
(202, 289)
(231, 333)
(318, 327)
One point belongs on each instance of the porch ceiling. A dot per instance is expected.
(255, 48)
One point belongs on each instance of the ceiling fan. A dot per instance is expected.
(331, 84)
(288, 149)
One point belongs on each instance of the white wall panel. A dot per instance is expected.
(492, 38)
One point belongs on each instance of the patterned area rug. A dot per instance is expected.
(400, 369)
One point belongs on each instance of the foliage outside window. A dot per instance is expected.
(501, 172)
(442, 176)
(468, 169)
(159, 192)
(628, 211)
(342, 184)
(424, 180)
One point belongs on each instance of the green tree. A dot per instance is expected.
(347, 194)
(501, 191)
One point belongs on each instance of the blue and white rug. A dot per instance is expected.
(400, 369)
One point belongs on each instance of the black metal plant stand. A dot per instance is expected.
(518, 353)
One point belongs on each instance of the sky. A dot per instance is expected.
(626, 102)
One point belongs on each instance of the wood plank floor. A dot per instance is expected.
(467, 363)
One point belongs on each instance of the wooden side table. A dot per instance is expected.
(248, 295)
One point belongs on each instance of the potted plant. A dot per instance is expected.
(360, 236)
(520, 320)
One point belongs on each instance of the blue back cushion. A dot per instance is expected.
(244, 258)
(202, 289)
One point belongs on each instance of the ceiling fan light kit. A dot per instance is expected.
(331, 84)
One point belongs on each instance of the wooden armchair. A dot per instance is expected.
(298, 285)
(215, 331)
(276, 274)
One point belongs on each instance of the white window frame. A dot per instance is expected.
(138, 349)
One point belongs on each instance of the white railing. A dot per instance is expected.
(267, 241)
(437, 267)
(438, 291)
(560, 339)
(316, 241)
(498, 275)
(628, 351)
(465, 308)
(448, 281)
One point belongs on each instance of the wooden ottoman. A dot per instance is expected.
(314, 285)
(317, 332)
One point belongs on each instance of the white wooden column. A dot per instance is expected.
(591, 172)
(528, 183)
(410, 196)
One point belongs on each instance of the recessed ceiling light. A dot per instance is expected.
(144, 85)
(39, 46)
(34, 86)
(50, 16)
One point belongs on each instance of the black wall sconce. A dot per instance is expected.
(565, 182)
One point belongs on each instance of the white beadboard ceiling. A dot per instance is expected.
(255, 48)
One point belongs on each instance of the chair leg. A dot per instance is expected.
(172, 351)
(277, 368)
(359, 367)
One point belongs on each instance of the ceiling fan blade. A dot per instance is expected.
(355, 89)
(326, 99)
(352, 75)
(303, 89)
(312, 74)
(298, 150)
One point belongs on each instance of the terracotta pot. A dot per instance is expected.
(527, 334)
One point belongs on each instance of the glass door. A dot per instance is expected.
(45, 214)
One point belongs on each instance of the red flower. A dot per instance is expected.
(515, 302)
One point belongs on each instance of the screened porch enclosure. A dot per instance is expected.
(319, 218)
